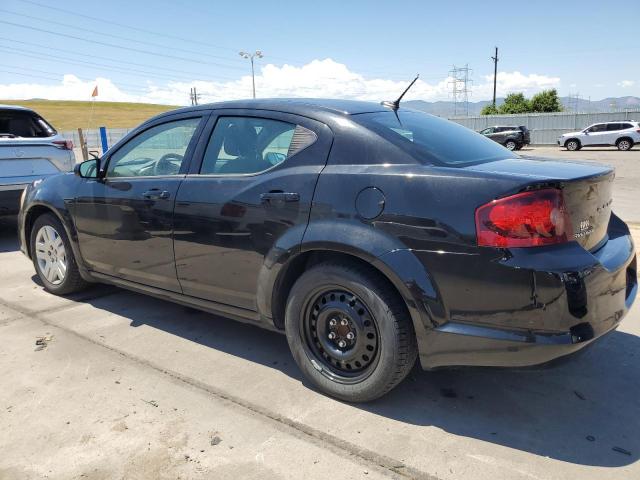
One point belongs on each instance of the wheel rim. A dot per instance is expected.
(51, 255)
(511, 145)
(623, 145)
(340, 335)
(572, 145)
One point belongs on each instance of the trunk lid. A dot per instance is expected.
(587, 189)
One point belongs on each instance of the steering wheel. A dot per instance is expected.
(165, 165)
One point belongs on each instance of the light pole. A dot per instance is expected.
(251, 56)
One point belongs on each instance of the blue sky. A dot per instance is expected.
(353, 49)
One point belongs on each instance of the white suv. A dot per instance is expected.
(30, 149)
(621, 134)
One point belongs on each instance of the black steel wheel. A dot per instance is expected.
(349, 331)
(340, 333)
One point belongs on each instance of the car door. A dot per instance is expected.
(249, 195)
(595, 135)
(488, 132)
(613, 131)
(124, 220)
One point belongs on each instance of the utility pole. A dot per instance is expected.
(495, 76)
(251, 56)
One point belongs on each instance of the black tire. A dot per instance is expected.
(572, 145)
(510, 144)
(384, 348)
(624, 144)
(71, 281)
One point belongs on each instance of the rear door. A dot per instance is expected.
(247, 198)
(125, 220)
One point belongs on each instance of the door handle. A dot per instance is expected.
(156, 194)
(279, 197)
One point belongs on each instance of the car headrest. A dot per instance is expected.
(240, 140)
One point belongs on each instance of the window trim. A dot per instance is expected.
(218, 116)
(188, 154)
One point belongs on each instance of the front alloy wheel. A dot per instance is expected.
(572, 145)
(511, 145)
(51, 254)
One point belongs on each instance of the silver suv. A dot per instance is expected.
(30, 149)
(622, 134)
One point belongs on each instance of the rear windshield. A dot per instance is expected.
(433, 140)
(25, 124)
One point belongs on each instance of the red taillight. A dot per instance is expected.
(64, 144)
(528, 219)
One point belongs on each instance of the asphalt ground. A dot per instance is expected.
(126, 386)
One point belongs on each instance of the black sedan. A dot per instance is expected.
(370, 234)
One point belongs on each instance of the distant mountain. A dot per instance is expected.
(446, 108)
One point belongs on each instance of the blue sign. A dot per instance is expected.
(103, 139)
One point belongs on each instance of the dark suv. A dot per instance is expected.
(513, 138)
(371, 235)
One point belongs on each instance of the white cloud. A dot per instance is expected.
(319, 78)
(626, 83)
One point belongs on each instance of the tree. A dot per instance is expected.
(489, 109)
(546, 101)
(515, 103)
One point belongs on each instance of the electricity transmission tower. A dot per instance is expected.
(574, 102)
(460, 81)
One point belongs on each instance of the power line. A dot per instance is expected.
(122, 25)
(137, 50)
(110, 35)
(128, 71)
(102, 58)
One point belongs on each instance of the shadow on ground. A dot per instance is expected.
(577, 412)
(585, 411)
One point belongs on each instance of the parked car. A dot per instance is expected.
(369, 235)
(623, 135)
(513, 138)
(30, 149)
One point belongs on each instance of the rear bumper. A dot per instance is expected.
(528, 306)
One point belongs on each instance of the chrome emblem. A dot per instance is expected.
(585, 229)
(19, 153)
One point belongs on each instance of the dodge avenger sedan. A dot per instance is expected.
(370, 234)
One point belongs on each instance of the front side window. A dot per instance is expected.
(433, 140)
(487, 131)
(159, 150)
(601, 127)
(242, 145)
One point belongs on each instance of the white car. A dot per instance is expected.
(30, 149)
(622, 134)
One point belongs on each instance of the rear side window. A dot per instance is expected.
(612, 127)
(624, 126)
(430, 139)
(245, 145)
(23, 124)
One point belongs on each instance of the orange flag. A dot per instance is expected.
(95, 92)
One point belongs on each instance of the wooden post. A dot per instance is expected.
(83, 145)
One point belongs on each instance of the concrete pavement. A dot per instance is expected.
(114, 355)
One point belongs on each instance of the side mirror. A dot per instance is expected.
(88, 168)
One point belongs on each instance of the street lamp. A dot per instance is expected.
(251, 56)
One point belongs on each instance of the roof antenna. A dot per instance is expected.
(396, 103)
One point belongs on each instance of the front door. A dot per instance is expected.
(595, 135)
(125, 220)
(250, 195)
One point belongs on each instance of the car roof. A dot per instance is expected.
(301, 106)
(15, 107)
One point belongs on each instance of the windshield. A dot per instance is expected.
(433, 140)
